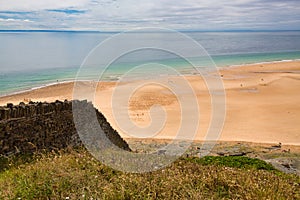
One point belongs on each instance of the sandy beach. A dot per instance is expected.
(262, 103)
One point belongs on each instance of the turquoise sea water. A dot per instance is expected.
(33, 59)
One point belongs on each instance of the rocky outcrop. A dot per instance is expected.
(35, 126)
(289, 165)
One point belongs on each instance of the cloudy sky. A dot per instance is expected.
(116, 15)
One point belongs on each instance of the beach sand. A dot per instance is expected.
(262, 104)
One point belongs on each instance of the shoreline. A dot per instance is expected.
(51, 83)
(262, 102)
(36, 88)
(260, 63)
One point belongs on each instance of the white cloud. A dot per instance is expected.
(16, 20)
(177, 14)
(37, 5)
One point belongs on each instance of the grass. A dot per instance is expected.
(74, 174)
(241, 162)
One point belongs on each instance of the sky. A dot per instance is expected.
(119, 15)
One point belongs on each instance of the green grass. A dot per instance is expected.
(241, 162)
(77, 175)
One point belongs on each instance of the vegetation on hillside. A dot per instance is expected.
(74, 174)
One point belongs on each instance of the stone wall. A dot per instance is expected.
(35, 126)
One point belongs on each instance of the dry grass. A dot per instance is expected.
(76, 175)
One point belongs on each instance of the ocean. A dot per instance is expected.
(32, 59)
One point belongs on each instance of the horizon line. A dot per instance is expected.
(98, 31)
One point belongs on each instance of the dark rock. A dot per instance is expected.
(37, 126)
(237, 154)
(9, 105)
(277, 146)
(221, 153)
(287, 165)
(57, 101)
(162, 151)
